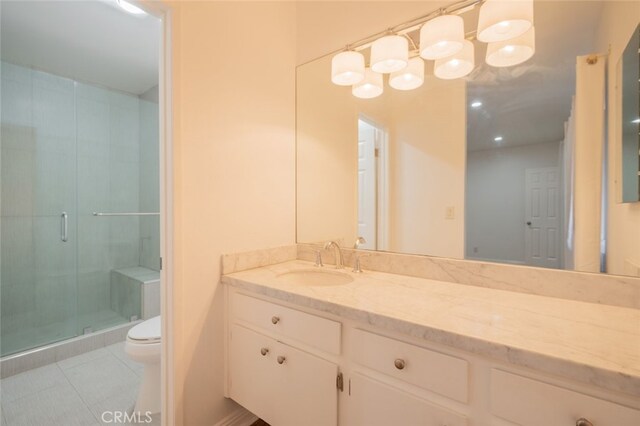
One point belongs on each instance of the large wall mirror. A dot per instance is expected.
(630, 66)
(508, 164)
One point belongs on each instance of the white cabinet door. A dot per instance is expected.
(251, 374)
(280, 384)
(307, 389)
(373, 403)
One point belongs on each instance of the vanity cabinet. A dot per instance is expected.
(292, 367)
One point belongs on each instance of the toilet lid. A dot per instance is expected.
(148, 330)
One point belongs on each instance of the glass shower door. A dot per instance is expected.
(38, 223)
(70, 150)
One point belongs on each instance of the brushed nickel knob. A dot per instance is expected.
(583, 422)
(264, 351)
(275, 320)
(281, 359)
(399, 363)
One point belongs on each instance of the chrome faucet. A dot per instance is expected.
(337, 252)
(318, 263)
(357, 267)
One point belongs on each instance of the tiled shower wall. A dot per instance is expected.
(149, 185)
(69, 146)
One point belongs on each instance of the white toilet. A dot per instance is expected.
(143, 346)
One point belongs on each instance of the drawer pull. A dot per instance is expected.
(264, 351)
(275, 320)
(399, 363)
(583, 422)
(281, 359)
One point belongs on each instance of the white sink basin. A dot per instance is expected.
(315, 277)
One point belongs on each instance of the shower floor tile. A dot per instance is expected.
(75, 391)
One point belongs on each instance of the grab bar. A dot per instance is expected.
(64, 225)
(126, 214)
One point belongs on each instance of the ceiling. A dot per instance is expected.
(530, 103)
(90, 41)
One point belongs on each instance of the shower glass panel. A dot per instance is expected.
(38, 285)
(70, 149)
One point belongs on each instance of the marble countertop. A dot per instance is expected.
(587, 342)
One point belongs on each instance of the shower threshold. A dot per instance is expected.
(54, 352)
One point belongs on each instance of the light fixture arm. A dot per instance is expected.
(404, 28)
(414, 46)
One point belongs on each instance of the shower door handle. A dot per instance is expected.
(64, 226)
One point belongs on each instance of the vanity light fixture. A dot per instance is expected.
(347, 68)
(409, 78)
(507, 25)
(476, 104)
(456, 66)
(132, 9)
(502, 20)
(370, 87)
(389, 54)
(498, 139)
(441, 37)
(512, 52)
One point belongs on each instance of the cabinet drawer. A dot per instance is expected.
(443, 374)
(529, 402)
(320, 333)
(372, 403)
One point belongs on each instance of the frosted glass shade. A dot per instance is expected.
(370, 87)
(347, 68)
(504, 19)
(409, 78)
(389, 53)
(456, 66)
(512, 52)
(441, 37)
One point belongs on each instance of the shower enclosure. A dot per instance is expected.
(79, 163)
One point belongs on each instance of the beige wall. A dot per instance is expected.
(327, 157)
(427, 155)
(325, 26)
(619, 19)
(234, 84)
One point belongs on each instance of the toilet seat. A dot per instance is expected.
(147, 332)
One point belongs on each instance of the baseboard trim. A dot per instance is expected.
(238, 417)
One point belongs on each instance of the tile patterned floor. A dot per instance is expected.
(73, 392)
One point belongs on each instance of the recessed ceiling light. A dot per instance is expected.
(637, 120)
(476, 104)
(498, 138)
(132, 9)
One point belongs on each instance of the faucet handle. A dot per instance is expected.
(319, 263)
(359, 242)
(356, 263)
